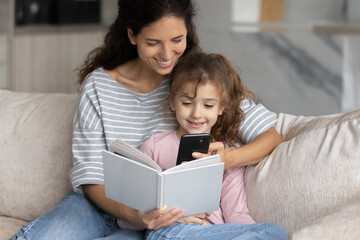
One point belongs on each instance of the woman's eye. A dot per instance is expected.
(209, 105)
(177, 40)
(151, 44)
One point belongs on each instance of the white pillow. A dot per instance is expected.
(314, 172)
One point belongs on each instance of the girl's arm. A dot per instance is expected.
(151, 220)
(250, 154)
(233, 197)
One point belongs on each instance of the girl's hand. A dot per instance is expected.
(194, 219)
(158, 218)
(214, 148)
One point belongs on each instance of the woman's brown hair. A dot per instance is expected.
(198, 68)
(135, 15)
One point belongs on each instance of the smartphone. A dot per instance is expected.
(190, 143)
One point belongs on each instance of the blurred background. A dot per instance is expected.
(298, 57)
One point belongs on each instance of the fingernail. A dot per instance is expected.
(195, 154)
(177, 210)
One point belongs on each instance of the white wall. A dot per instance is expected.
(4, 5)
(44, 57)
(293, 70)
(351, 73)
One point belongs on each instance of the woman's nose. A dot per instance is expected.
(166, 52)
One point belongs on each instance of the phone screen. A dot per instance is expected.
(190, 143)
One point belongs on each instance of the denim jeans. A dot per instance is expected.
(75, 218)
(226, 231)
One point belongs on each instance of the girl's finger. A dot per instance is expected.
(168, 218)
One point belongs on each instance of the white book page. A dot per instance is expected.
(128, 151)
(196, 163)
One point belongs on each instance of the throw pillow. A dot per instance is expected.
(315, 171)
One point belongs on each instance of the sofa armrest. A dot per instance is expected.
(342, 224)
(35, 156)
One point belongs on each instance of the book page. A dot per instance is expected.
(196, 163)
(120, 147)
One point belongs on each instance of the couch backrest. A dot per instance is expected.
(35, 155)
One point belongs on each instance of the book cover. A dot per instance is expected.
(134, 179)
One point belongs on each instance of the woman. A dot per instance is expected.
(123, 86)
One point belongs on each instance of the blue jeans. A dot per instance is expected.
(75, 218)
(234, 231)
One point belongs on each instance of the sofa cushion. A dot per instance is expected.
(9, 226)
(315, 171)
(35, 156)
(342, 224)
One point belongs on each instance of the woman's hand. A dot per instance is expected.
(194, 219)
(158, 218)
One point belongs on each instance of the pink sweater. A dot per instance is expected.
(162, 148)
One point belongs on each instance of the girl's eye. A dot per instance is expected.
(186, 103)
(209, 105)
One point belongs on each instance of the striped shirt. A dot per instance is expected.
(107, 111)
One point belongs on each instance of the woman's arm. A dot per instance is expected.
(151, 220)
(250, 154)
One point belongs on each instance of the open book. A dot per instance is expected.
(134, 179)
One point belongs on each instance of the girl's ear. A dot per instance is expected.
(172, 106)
(221, 111)
(131, 36)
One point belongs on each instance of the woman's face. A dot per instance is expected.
(161, 43)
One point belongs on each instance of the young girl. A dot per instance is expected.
(208, 96)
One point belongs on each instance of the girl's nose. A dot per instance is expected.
(196, 112)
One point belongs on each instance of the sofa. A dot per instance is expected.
(310, 184)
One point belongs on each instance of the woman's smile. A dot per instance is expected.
(165, 64)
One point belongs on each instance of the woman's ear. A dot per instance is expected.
(131, 36)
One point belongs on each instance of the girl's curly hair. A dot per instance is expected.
(199, 68)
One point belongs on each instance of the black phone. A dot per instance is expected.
(190, 143)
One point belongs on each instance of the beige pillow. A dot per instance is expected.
(311, 174)
(35, 155)
(343, 224)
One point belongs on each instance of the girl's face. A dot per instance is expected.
(197, 115)
(161, 43)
